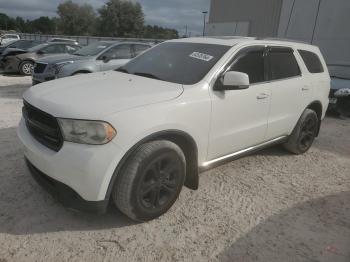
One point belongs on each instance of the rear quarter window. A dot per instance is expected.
(312, 61)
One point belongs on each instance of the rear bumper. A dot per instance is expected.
(64, 194)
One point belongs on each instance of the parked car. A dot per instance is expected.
(137, 135)
(24, 63)
(15, 48)
(63, 40)
(8, 38)
(100, 56)
(339, 97)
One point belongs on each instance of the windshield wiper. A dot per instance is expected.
(147, 75)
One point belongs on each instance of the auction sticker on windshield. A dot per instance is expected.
(201, 56)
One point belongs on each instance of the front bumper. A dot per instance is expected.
(64, 194)
(86, 169)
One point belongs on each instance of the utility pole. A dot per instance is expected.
(316, 20)
(205, 15)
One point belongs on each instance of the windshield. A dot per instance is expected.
(93, 49)
(182, 63)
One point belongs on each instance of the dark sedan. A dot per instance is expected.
(23, 62)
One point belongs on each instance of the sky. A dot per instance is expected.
(167, 13)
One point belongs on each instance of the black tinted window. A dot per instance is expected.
(283, 63)
(251, 63)
(312, 61)
(176, 62)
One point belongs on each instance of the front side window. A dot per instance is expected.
(54, 49)
(251, 63)
(312, 61)
(93, 49)
(177, 62)
(118, 52)
(139, 49)
(282, 63)
(71, 49)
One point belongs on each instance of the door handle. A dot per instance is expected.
(305, 88)
(262, 96)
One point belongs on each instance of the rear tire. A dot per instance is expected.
(304, 133)
(26, 68)
(150, 181)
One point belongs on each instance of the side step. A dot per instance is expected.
(244, 152)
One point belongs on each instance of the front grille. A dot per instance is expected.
(39, 68)
(43, 127)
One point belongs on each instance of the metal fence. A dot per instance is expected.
(85, 40)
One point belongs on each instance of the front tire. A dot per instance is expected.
(304, 133)
(150, 181)
(26, 68)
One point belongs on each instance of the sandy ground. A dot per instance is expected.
(270, 206)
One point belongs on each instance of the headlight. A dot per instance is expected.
(86, 132)
(342, 92)
(57, 67)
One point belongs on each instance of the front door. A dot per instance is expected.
(239, 117)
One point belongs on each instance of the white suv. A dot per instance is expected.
(137, 135)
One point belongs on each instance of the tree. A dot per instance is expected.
(42, 25)
(121, 18)
(76, 19)
(159, 32)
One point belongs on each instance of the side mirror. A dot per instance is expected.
(40, 52)
(232, 80)
(105, 59)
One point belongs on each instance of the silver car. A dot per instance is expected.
(100, 56)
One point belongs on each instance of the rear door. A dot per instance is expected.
(290, 91)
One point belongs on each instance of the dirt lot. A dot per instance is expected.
(271, 206)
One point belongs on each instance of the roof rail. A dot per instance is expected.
(283, 40)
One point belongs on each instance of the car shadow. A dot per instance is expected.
(317, 230)
(26, 208)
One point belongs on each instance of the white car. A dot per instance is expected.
(8, 38)
(137, 135)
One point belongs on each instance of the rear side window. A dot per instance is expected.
(282, 63)
(251, 63)
(312, 61)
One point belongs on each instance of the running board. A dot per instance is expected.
(238, 154)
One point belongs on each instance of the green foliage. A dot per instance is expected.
(76, 19)
(120, 18)
(116, 18)
(159, 32)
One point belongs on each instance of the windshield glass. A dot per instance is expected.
(93, 49)
(182, 63)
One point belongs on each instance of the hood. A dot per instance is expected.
(94, 96)
(54, 59)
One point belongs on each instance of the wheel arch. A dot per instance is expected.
(180, 138)
(317, 107)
